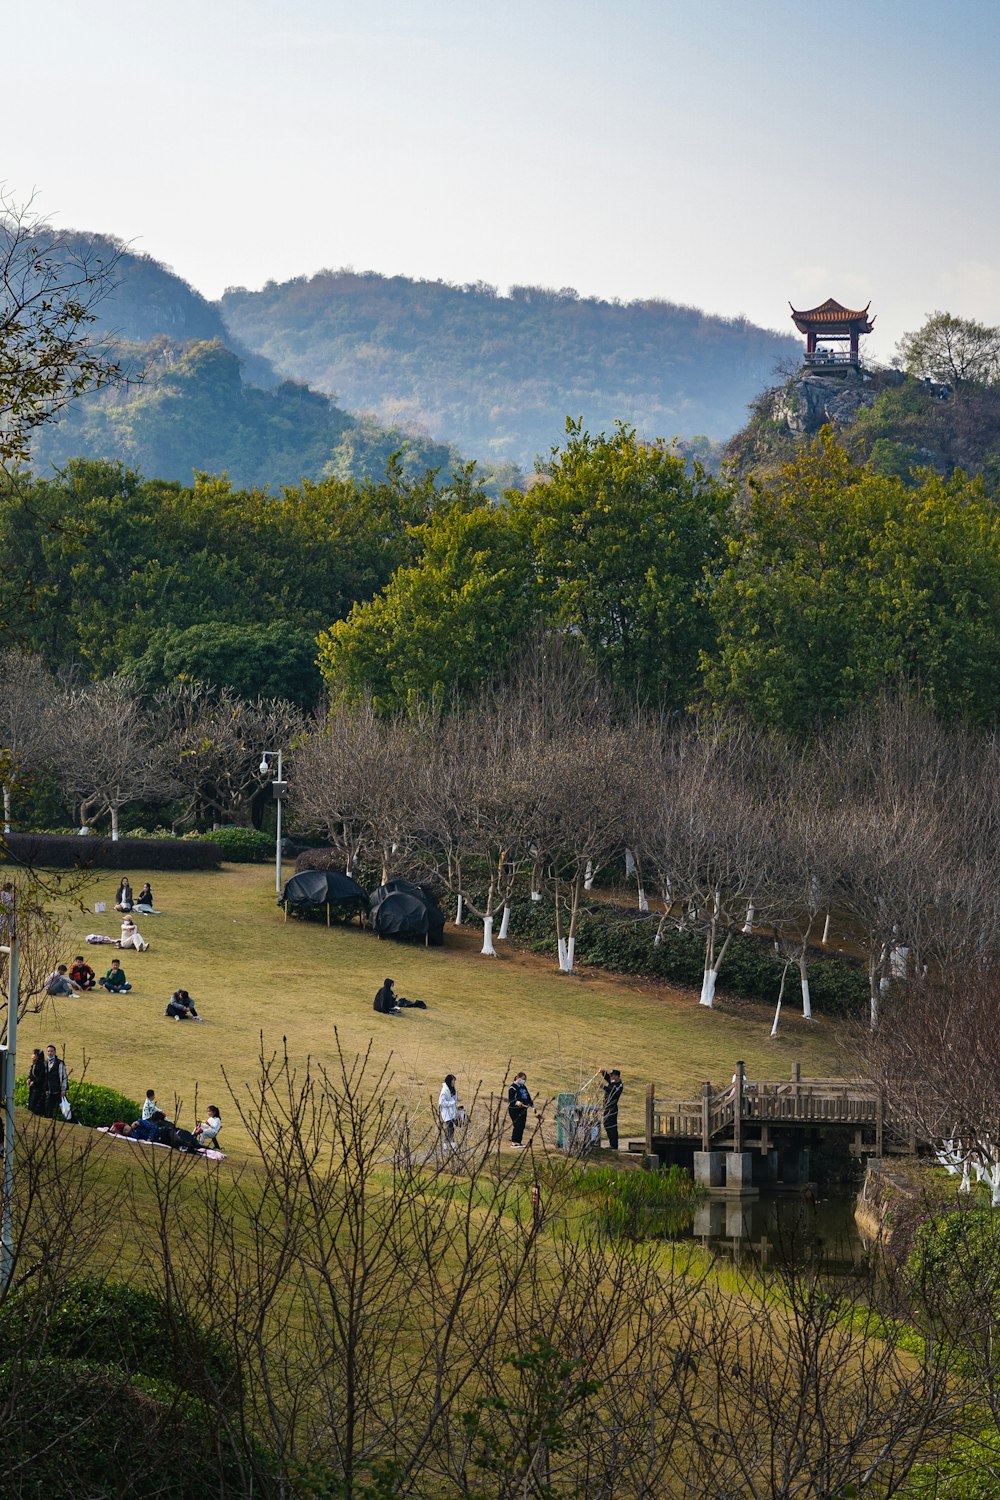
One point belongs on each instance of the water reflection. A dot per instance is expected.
(778, 1229)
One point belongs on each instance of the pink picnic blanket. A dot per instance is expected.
(129, 1140)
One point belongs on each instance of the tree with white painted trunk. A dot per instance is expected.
(711, 832)
(27, 692)
(353, 779)
(108, 748)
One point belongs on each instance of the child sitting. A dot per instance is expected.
(207, 1132)
(82, 974)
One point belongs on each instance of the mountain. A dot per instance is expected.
(198, 400)
(895, 422)
(498, 375)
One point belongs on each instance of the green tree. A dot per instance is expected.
(959, 351)
(446, 622)
(273, 661)
(842, 581)
(622, 534)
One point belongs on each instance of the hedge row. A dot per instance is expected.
(623, 942)
(242, 846)
(63, 851)
(93, 1104)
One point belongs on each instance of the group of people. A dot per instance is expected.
(154, 1126)
(82, 978)
(143, 902)
(519, 1101)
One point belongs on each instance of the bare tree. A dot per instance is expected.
(353, 779)
(213, 741)
(26, 694)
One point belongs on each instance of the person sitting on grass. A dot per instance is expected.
(150, 1107)
(144, 901)
(123, 895)
(131, 936)
(82, 974)
(58, 983)
(180, 1007)
(114, 980)
(385, 1000)
(207, 1132)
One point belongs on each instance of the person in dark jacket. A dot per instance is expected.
(123, 895)
(612, 1093)
(385, 1000)
(519, 1101)
(180, 1007)
(56, 1082)
(36, 1082)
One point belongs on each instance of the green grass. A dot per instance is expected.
(222, 937)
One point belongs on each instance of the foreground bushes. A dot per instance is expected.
(64, 851)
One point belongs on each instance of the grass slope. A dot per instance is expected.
(222, 937)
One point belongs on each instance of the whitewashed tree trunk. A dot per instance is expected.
(488, 949)
(748, 924)
(6, 808)
(826, 931)
(708, 987)
(629, 864)
(459, 911)
(804, 986)
(504, 921)
(588, 876)
(661, 924)
(114, 825)
(567, 949)
(965, 1186)
(643, 903)
(781, 996)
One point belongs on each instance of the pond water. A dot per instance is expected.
(784, 1227)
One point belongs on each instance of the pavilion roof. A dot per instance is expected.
(831, 316)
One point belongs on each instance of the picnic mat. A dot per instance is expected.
(129, 1140)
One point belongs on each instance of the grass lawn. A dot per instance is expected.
(222, 937)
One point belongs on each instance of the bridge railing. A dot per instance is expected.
(841, 1101)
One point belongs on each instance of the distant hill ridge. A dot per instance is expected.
(498, 374)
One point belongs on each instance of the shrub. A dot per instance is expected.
(111, 1323)
(93, 1103)
(623, 942)
(242, 846)
(57, 851)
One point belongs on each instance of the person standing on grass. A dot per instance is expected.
(449, 1105)
(612, 1093)
(56, 1082)
(519, 1101)
(36, 1082)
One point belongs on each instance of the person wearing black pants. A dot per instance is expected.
(56, 1083)
(519, 1101)
(612, 1093)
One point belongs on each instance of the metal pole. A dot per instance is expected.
(7, 1227)
(277, 838)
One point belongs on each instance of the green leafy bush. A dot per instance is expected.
(242, 846)
(93, 1103)
(113, 1324)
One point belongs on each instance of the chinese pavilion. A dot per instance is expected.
(832, 324)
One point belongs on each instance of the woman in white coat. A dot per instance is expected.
(131, 936)
(450, 1110)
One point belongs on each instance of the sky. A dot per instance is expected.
(734, 155)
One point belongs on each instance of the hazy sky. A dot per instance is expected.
(732, 154)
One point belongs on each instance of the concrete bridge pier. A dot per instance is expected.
(710, 1168)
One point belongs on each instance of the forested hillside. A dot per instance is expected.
(198, 401)
(499, 375)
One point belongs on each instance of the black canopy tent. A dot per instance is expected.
(401, 909)
(327, 888)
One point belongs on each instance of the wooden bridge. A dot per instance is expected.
(766, 1119)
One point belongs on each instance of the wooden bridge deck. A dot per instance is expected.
(752, 1114)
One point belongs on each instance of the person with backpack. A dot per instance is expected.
(519, 1101)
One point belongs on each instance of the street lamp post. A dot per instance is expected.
(278, 787)
(8, 1057)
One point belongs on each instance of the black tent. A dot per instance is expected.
(403, 913)
(406, 887)
(326, 888)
